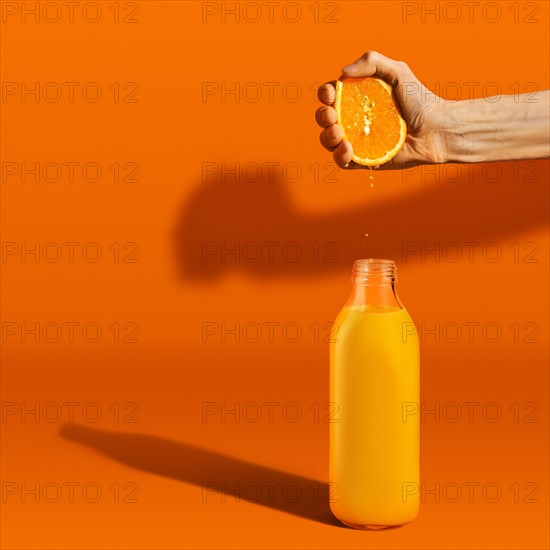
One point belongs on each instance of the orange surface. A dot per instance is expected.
(369, 116)
(471, 245)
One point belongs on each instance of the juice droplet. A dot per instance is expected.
(372, 185)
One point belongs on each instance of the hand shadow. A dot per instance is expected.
(246, 225)
(221, 476)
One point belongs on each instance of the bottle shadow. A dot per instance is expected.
(254, 227)
(220, 476)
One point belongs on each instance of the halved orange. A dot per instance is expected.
(369, 114)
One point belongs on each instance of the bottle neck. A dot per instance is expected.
(374, 295)
(374, 284)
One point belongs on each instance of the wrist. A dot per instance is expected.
(443, 140)
(453, 133)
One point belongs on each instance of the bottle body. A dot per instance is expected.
(374, 380)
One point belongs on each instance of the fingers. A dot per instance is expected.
(331, 137)
(326, 116)
(343, 154)
(374, 63)
(327, 93)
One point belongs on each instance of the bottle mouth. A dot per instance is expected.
(374, 271)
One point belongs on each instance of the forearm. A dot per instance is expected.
(507, 129)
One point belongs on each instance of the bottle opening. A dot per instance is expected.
(374, 271)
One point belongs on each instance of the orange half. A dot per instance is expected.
(369, 114)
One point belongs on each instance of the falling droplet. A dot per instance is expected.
(371, 177)
(372, 185)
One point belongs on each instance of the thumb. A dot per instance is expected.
(375, 64)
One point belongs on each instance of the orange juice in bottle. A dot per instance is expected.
(374, 378)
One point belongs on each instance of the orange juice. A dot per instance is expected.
(374, 446)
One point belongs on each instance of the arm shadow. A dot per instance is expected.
(228, 225)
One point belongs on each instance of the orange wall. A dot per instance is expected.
(134, 366)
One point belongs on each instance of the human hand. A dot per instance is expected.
(424, 112)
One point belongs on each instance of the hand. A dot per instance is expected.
(424, 113)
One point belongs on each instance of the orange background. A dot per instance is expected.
(170, 373)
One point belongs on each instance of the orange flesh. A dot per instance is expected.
(370, 119)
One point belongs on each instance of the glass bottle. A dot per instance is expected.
(374, 389)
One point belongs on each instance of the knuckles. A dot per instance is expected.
(370, 56)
